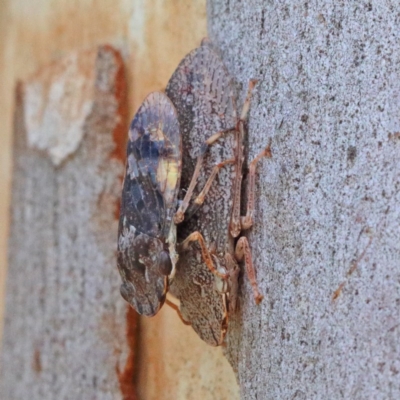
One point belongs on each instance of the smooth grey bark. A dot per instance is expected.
(65, 326)
(326, 235)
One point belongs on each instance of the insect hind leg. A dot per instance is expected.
(242, 251)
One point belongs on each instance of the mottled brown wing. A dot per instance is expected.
(203, 95)
(149, 198)
(153, 167)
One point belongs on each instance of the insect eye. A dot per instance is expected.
(164, 263)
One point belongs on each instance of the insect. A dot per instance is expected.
(207, 272)
(147, 234)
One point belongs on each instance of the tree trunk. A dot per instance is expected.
(326, 236)
(66, 331)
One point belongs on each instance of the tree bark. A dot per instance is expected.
(325, 240)
(67, 332)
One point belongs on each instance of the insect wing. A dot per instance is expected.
(204, 98)
(149, 197)
(202, 93)
(153, 167)
(200, 302)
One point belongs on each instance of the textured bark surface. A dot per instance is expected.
(326, 234)
(65, 332)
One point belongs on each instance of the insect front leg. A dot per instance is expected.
(206, 254)
(235, 223)
(242, 250)
(247, 221)
(202, 195)
(178, 311)
(180, 214)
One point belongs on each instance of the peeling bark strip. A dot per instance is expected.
(66, 334)
(329, 200)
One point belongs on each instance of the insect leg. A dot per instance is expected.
(235, 224)
(242, 250)
(233, 272)
(247, 220)
(202, 195)
(178, 311)
(246, 105)
(180, 214)
(207, 258)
